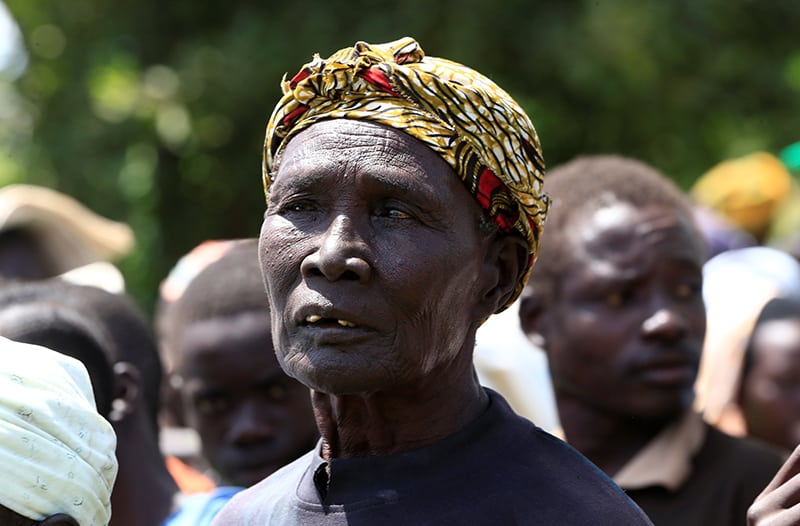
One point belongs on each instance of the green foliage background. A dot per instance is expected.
(153, 112)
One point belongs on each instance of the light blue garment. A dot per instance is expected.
(200, 509)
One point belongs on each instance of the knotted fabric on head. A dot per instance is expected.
(469, 121)
(56, 451)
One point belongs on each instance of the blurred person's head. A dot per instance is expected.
(110, 335)
(251, 417)
(68, 332)
(170, 290)
(736, 286)
(615, 297)
(56, 451)
(719, 233)
(44, 233)
(769, 393)
(22, 257)
(747, 190)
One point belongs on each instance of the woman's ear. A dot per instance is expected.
(127, 382)
(504, 267)
(59, 519)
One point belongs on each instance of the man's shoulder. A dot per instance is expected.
(746, 446)
(752, 455)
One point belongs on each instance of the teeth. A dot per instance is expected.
(314, 318)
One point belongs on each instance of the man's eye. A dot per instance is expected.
(618, 298)
(277, 392)
(211, 405)
(687, 290)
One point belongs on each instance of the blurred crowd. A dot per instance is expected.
(201, 408)
(195, 406)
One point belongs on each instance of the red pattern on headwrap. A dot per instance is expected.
(378, 78)
(463, 116)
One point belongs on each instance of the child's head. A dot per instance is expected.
(251, 417)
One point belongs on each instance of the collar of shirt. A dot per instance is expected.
(667, 460)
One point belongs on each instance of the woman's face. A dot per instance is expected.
(372, 259)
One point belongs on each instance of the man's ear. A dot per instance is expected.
(59, 519)
(171, 413)
(531, 316)
(127, 382)
(505, 264)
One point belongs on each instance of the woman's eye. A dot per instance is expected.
(391, 212)
(298, 206)
(394, 213)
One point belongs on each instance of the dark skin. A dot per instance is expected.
(770, 392)
(22, 257)
(377, 288)
(622, 329)
(252, 418)
(12, 518)
(143, 475)
(779, 503)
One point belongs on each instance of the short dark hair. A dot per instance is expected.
(228, 286)
(68, 331)
(130, 337)
(589, 183)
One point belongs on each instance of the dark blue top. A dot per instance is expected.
(498, 470)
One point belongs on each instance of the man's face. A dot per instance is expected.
(371, 256)
(251, 417)
(625, 328)
(771, 390)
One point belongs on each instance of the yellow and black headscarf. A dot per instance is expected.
(469, 121)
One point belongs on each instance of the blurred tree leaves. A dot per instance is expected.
(153, 112)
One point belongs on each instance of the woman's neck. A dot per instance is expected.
(405, 418)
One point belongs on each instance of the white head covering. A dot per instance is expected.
(57, 454)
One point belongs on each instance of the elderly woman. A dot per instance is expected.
(404, 209)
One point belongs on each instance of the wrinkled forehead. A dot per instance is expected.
(340, 139)
(342, 151)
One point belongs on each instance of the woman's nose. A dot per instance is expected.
(342, 253)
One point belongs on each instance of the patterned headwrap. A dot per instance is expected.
(56, 451)
(469, 121)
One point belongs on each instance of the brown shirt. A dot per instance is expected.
(693, 474)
